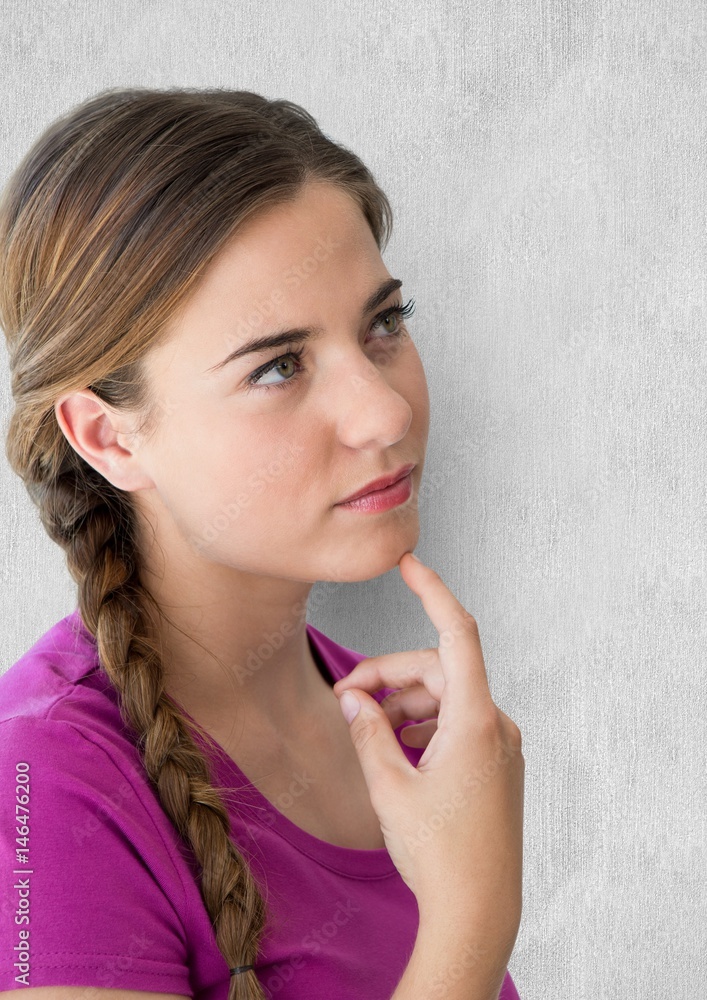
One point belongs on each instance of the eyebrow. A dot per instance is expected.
(283, 337)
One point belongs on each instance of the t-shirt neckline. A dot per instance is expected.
(375, 863)
(355, 862)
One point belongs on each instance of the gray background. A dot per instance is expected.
(546, 166)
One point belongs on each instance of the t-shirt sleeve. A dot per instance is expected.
(91, 895)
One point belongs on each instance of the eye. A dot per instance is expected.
(397, 312)
(253, 380)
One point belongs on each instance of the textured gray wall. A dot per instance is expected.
(546, 163)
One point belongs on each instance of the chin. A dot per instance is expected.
(361, 559)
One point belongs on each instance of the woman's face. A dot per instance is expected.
(249, 475)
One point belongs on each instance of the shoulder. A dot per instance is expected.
(64, 746)
(99, 872)
(56, 696)
(58, 665)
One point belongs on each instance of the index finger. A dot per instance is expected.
(460, 656)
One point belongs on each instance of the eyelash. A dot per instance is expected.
(402, 312)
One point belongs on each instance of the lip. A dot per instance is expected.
(381, 483)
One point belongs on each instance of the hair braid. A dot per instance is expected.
(119, 612)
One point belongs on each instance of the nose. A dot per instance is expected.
(371, 413)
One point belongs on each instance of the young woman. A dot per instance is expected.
(209, 359)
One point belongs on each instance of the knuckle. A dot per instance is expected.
(515, 737)
(363, 733)
(498, 732)
(414, 674)
(512, 733)
(490, 724)
(470, 624)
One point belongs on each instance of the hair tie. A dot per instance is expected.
(240, 968)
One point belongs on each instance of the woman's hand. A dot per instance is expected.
(454, 825)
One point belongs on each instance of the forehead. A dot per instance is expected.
(284, 265)
(323, 225)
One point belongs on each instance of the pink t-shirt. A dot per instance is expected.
(99, 890)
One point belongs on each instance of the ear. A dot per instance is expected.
(96, 431)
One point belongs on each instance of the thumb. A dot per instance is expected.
(372, 734)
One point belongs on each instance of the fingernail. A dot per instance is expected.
(349, 705)
(415, 557)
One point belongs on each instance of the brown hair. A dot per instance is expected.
(106, 226)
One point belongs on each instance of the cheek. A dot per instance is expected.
(263, 466)
(205, 460)
(254, 496)
(241, 489)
